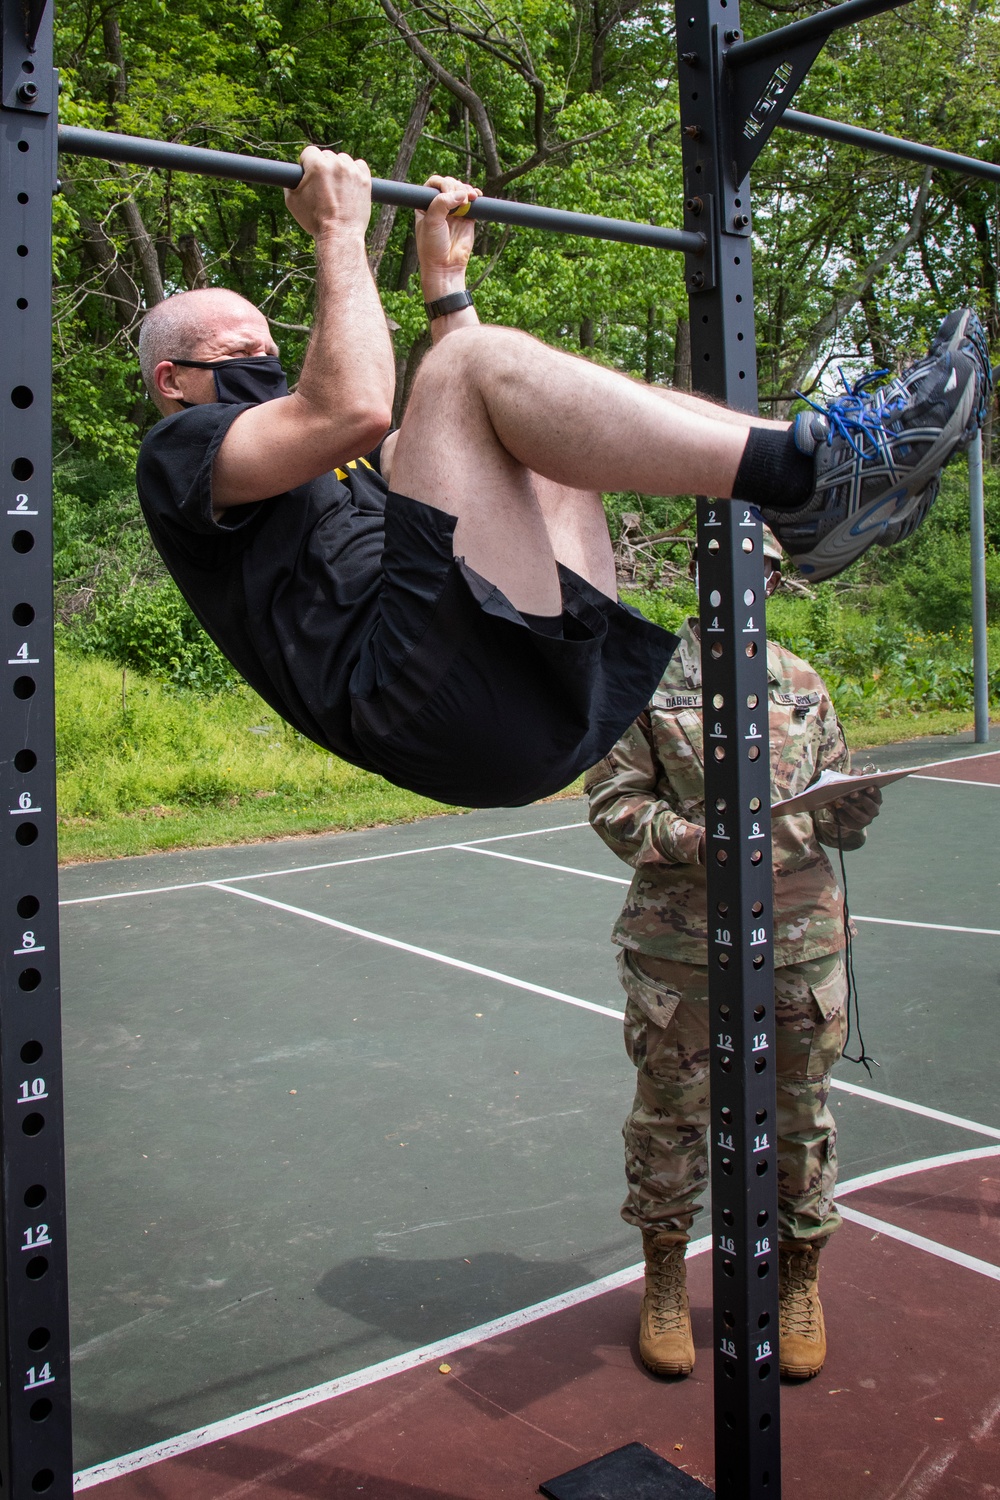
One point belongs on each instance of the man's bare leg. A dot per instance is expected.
(492, 407)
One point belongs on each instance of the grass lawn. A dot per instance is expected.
(144, 769)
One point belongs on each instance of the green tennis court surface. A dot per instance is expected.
(332, 1100)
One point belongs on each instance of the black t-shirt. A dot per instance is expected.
(288, 587)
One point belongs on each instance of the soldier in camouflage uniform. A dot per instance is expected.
(647, 802)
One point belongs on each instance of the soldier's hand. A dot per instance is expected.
(444, 236)
(334, 196)
(859, 809)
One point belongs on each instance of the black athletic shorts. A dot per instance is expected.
(458, 698)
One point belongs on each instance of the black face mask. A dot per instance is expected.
(257, 378)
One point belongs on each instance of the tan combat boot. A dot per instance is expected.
(665, 1343)
(800, 1319)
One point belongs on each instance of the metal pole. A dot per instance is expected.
(169, 157)
(977, 542)
(737, 762)
(889, 145)
(814, 28)
(35, 1438)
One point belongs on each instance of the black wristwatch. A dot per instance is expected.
(454, 302)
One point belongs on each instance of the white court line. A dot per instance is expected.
(920, 1242)
(214, 1432)
(956, 781)
(928, 926)
(917, 1109)
(521, 859)
(330, 864)
(542, 864)
(440, 958)
(601, 1010)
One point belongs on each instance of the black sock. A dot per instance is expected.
(544, 624)
(773, 472)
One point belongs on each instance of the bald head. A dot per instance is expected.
(211, 323)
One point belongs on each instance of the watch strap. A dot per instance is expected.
(454, 302)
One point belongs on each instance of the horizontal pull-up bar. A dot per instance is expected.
(197, 159)
(813, 28)
(890, 145)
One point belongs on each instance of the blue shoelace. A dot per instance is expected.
(857, 414)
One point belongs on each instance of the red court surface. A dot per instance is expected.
(980, 770)
(907, 1408)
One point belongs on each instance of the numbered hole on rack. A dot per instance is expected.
(24, 687)
(757, 908)
(26, 833)
(31, 1052)
(38, 1338)
(36, 1268)
(748, 544)
(720, 804)
(755, 807)
(22, 251)
(39, 1411)
(33, 1124)
(728, 1217)
(22, 541)
(723, 960)
(758, 960)
(23, 146)
(762, 1219)
(728, 1266)
(35, 1196)
(728, 1317)
(764, 1424)
(717, 650)
(760, 1116)
(729, 1368)
(756, 857)
(720, 752)
(751, 648)
(763, 1371)
(725, 1062)
(29, 979)
(727, 1119)
(22, 397)
(22, 468)
(748, 596)
(758, 1012)
(727, 1162)
(729, 1419)
(753, 752)
(28, 906)
(759, 1064)
(763, 1268)
(762, 1172)
(23, 197)
(22, 614)
(718, 701)
(724, 1012)
(723, 908)
(713, 547)
(42, 1481)
(25, 761)
(721, 856)
(752, 700)
(22, 303)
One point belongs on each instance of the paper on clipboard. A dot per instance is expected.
(833, 784)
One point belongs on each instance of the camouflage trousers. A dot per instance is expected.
(667, 1039)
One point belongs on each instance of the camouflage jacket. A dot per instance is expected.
(647, 802)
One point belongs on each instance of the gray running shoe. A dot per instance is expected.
(879, 453)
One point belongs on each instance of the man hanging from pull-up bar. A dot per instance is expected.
(460, 633)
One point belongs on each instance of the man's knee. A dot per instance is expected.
(466, 353)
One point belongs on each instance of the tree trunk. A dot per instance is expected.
(145, 251)
(682, 356)
(192, 262)
(378, 237)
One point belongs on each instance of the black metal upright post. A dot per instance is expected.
(737, 796)
(35, 1441)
